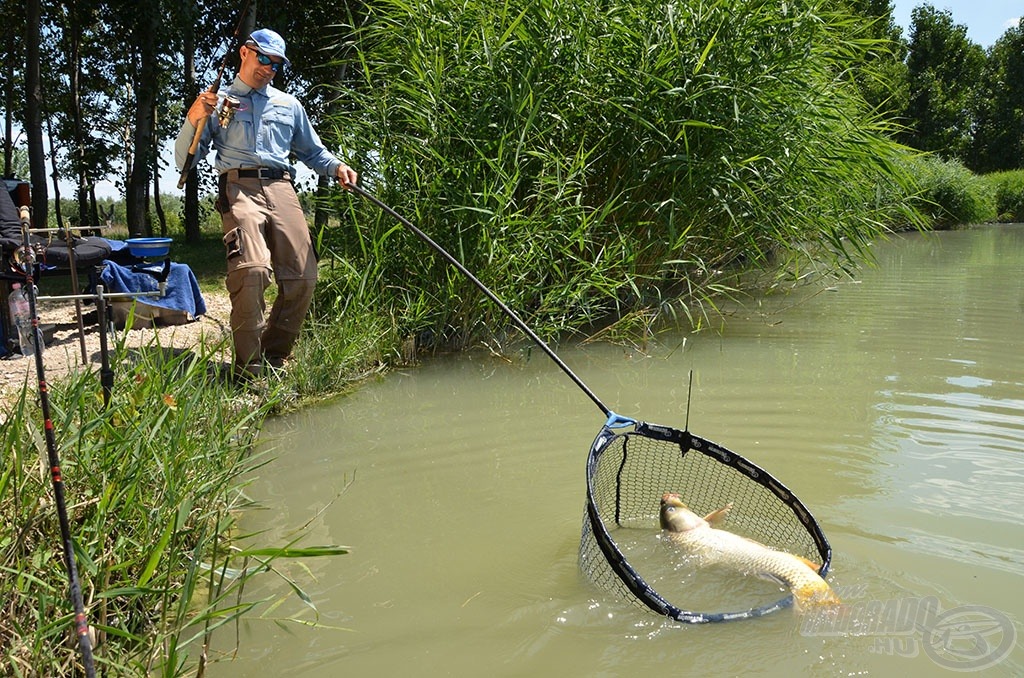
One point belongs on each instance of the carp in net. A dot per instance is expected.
(628, 471)
(633, 463)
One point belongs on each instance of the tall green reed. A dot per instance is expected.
(154, 484)
(588, 161)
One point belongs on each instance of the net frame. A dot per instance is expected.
(628, 471)
(669, 443)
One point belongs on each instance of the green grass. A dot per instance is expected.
(154, 487)
(205, 258)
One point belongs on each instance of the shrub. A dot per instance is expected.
(951, 195)
(587, 160)
(1008, 188)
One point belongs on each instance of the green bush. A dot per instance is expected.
(1008, 188)
(951, 195)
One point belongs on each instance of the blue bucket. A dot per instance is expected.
(149, 247)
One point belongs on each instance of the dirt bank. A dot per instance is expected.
(64, 353)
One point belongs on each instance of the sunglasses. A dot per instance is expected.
(265, 61)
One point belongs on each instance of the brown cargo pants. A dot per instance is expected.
(265, 231)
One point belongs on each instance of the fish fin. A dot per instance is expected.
(716, 517)
(809, 563)
(772, 578)
(815, 596)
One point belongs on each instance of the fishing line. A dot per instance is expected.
(631, 464)
(612, 417)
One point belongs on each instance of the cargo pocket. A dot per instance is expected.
(233, 244)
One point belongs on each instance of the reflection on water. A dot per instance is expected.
(893, 406)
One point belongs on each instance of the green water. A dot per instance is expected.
(893, 406)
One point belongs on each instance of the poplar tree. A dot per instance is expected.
(943, 69)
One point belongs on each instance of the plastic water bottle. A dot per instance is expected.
(22, 315)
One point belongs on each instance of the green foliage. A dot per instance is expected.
(999, 123)
(951, 194)
(1008, 189)
(943, 69)
(154, 485)
(591, 160)
(882, 74)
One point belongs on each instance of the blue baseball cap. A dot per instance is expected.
(270, 43)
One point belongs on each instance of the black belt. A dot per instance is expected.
(262, 173)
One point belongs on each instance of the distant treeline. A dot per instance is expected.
(116, 76)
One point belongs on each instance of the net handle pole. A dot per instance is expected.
(355, 188)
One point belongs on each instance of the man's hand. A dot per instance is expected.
(202, 107)
(346, 175)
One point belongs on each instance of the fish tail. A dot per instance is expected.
(815, 595)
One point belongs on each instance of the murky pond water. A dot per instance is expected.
(893, 406)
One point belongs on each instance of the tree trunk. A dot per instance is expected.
(82, 190)
(191, 207)
(321, 214)
(34, 114)
(137, 190)
(9, 119)
(56, 176)
(157, 205)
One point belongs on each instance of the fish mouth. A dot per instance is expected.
(672, 499)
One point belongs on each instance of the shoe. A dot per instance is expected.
(275, 361)
(245, 374)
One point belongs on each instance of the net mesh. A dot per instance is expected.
(621, 549)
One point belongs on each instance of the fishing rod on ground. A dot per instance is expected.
(81, 621)
(227, 107)
(614, 420)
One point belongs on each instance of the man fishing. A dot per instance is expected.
(264, 227)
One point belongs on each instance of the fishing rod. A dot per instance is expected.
(214, 87)
(613, 418)
(81, 621)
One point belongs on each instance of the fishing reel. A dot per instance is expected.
(24, 258)
(226, 113)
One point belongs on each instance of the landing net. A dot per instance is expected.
(621, 550)
(627, 473)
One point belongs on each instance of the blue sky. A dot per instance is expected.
(986, 20)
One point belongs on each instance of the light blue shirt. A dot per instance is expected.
(269, 125)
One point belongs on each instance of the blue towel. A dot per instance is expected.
(182, 293)
(116, 245)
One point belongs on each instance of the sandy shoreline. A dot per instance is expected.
(64, 353)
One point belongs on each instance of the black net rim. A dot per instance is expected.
(689, 442)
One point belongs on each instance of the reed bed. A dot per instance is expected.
(593, 162)
(154, 485)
